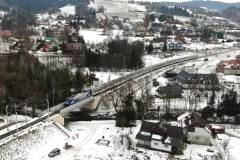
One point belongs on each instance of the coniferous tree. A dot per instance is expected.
(164, 49)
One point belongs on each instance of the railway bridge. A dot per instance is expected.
(91, 102)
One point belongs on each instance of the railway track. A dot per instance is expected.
(118, 82)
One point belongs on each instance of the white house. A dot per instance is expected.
(198, 130)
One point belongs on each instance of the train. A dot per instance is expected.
(77, 98)
(104, 87)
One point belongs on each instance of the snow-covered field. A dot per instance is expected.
(134, 12)
(204, 46)
(94, 35)
(182, 18)
(68, 10)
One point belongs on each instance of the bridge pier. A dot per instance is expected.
(59, 119)
(93, 104)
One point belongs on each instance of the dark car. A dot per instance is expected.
(54, 152)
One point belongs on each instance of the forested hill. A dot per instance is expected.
(38, 5)
(201, 3)
(232, 13)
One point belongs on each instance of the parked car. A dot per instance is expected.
(54, 152)
(217, 129)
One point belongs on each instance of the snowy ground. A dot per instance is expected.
(52, 59)
(105, 77)
(182, 18)
(68, 10)
(157, 58)
(204, 46)
(84, 136)
(93, 35)
(209, 66)
(134, 12)
(12, 122)
(198, 152)
(34, 145)
(92, 131)
(4, 46)
(231, 144)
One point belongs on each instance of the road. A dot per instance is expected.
(89, 133)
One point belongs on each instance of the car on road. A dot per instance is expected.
(54, 152)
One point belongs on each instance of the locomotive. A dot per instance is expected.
(77, 98)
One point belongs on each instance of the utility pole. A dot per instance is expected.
(15, 106)
(7, 116)
(53, 93)
(48, 106)
(25, 110)
(124, 63)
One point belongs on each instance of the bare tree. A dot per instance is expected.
(223, 151)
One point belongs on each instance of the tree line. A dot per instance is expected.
(229, 106)
(121, 54)
(23, 77)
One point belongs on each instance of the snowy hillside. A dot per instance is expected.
(225, 1)
(68, 10)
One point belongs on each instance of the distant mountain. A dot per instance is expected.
(38, 5)
(211, 4)
(232, 13)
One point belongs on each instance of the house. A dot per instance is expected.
(172, 73)
(161, 137)
(127, 27)
(198, 129)
(156, 27)
(170, 91)
(5, 33)
(197, 81)
(45, 47)
(72, 47)
(229, 67)
(60, 17)
(180, 38)
(157, 47)
(175, 45)
(169, 18)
